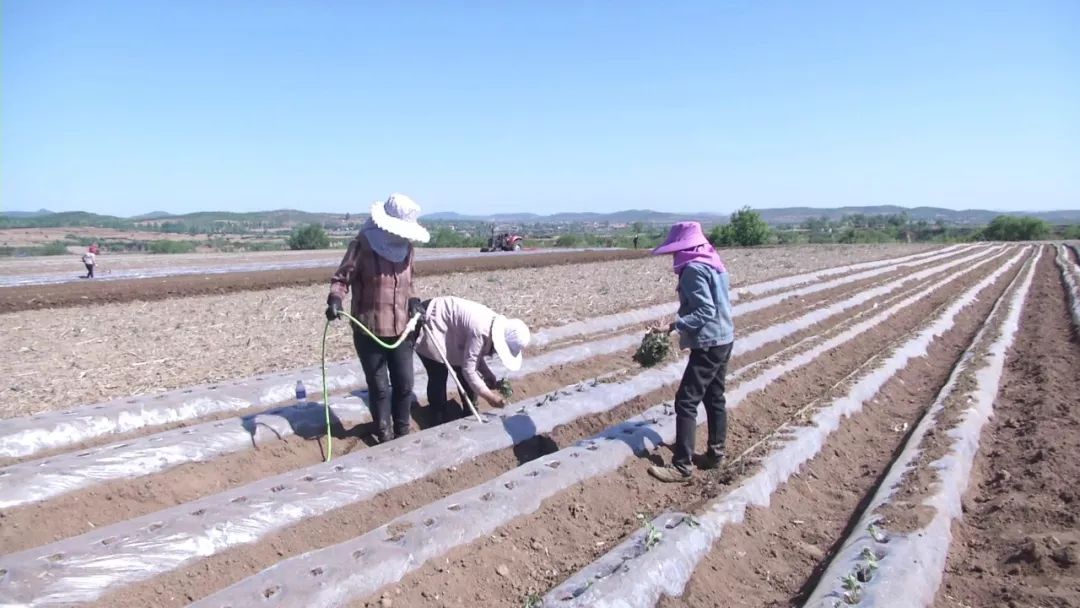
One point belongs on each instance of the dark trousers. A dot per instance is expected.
(89, 271)
(437, 375)
(389, 375)
(703, 380)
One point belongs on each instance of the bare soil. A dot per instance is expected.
(108, 503)
(57, 359)
(1019, 542)
(214, 573)
(83, 293)
(578, 525)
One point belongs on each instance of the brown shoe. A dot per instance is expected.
(669, 474)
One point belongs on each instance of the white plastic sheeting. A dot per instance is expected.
(362, 566)
(910, 566)
(630, 576)
(653, 313)
(765, 287)
(84, 567)
(1070, 274)
(26, 436)
(42, 479)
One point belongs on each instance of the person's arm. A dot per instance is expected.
(694, 283)
(474, 358)
(486, 373)
(343, 278)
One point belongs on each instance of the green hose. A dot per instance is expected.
(326, 392)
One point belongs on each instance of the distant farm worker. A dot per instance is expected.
(705, 327)
(90, 260)
(466, 332)
(636, 238)
(378, 268)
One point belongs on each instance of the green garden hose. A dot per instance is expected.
(326, 392)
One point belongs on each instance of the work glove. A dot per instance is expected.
(333, 308)
(416, 307)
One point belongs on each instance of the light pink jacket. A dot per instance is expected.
(463, 329)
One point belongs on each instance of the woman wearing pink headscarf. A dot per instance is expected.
(705, 327)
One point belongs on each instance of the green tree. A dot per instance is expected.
(311, 236)
(569, 240)
(746, 229)
(1008, 228)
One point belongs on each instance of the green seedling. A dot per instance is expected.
(532, 600)
(654, 348)
(877, 533)
(852, 588)
(653, 535)
(870, 557)
(505, 389)
(690, 521)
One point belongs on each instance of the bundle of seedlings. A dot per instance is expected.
(505, 389)
(655, 347)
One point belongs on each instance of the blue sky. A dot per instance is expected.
(545, 106)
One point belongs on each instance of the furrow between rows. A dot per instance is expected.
(362, 566)
(640, 571)
(314, 491)
(27, 436)
(98, 486)
(895, 556)
(552, 536)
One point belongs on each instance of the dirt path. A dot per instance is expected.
(1019, 542)
(576, 526)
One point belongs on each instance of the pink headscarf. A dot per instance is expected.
(704, 254)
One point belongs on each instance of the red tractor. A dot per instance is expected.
(505, 241)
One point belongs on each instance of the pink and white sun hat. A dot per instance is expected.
(683, 235)
(510, 337)
(398, 215)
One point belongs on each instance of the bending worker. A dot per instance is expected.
(378, 268)
(466, 332)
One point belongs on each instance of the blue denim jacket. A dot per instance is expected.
(704, 308)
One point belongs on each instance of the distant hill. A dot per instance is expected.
(287, 218)
(27, 214)
(973, 217)
(153, 215)
(617, 217)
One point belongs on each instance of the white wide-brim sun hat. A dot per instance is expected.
(398, 215)
(510, 337)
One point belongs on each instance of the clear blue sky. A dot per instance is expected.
(182, 105)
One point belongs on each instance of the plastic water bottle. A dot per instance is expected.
(301, 393)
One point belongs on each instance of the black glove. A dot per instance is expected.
(333, 308)
(416, 307)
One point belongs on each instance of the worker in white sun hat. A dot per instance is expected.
(466, 333)
(378, 270)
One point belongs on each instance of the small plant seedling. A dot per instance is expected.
(505, 389)
(532, 600)
(852, 588)
(654, 348)
(870, 557)
(653, 535)
(877, 533)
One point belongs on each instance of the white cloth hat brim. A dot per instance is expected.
(406, 230)
(498, 340)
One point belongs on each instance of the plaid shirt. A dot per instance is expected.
(380, 288)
